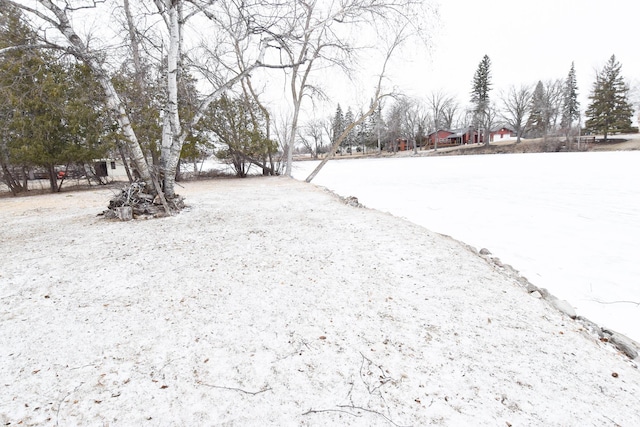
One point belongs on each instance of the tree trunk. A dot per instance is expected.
(53, 179)
(171, 135)
(124, 161)
(9, 179)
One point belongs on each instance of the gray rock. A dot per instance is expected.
(485, 251)
(533, 288)
(624, 345)
(564, 307)
(545, 293)
(591, 326)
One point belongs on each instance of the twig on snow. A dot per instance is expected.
(365, 372)
(317, 411)
(372, 412)
(614, 423)
(63, 399)
(252, 393)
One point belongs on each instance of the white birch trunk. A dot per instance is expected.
(79, 49)
(171, 138)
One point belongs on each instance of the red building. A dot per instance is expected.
(440, 137)
(502, 133)
(447, 138)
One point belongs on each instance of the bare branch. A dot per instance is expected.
(252, 393)
(318, 411)
(32, 47)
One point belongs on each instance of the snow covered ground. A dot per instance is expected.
(270, 302)
(570, 222)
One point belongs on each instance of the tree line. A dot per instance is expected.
(548, 108)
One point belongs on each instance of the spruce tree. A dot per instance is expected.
(481, 87)
(538, 115)
(337, 125)
(350, 139)
(610, 110)
(570, 103)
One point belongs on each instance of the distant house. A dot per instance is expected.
(464, 136)
(440, 137)
(403, 144)
(448, 138)
(502, 133)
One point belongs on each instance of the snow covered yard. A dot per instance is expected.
(271, 302)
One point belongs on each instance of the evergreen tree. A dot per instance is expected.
(610, 110)
(53, 112)
(375, 127)
(481, 87)
(337, 125)
(570, 103)
(12, 32)
(240, 129)
(349, 141)
(538, 116)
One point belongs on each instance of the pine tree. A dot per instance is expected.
(538, 116)
(53, 112)
(610, 110)
(350, 139)
(481, 87)
(337, 125)
(570, 103)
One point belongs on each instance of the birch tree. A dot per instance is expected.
(227, 23)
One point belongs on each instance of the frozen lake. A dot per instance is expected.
(569, 222)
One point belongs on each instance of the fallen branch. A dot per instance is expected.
(317, 411)
(372, 412)
(252, 393)
(63, 399)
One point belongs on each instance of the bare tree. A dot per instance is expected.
(443, 108)
(318, 36)
(554, 96)
(311, 136)
(415, 123)
(516, 102)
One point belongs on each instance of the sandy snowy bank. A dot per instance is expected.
(270, 302)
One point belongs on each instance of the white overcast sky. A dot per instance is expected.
(526, 41)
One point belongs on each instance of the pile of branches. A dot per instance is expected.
(134, 201)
